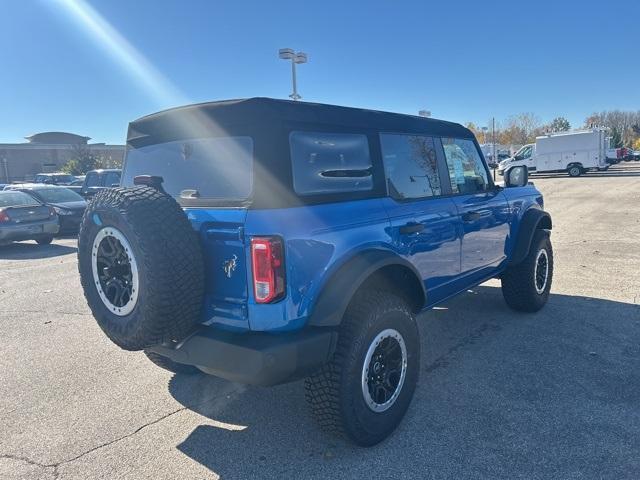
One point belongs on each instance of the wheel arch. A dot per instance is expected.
(532, 220)
(575, 164)
(371, 269)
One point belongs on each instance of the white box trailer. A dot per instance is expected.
(572, 152)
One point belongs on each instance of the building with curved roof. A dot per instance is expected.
(58, 138)
(46, 152)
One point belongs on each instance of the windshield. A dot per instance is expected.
(58, 178)
(208, 168)
(16, 199)
(58, 195)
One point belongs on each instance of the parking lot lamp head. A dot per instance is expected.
(286, 53)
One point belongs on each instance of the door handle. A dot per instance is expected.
(411, 228)
(471, 216)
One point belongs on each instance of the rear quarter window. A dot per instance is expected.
(112, 178)
(326, 163)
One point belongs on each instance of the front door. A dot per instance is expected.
(425, 225)
(482, 207)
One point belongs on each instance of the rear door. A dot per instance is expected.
(482, 207)
(424, 224)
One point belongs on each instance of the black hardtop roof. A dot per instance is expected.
(269, 111)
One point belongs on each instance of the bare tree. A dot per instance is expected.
(619, 121)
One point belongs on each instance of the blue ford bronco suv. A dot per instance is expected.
(264, 241)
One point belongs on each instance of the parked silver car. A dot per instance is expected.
(22, 217)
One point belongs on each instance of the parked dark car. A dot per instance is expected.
(96, 180)
(54, 178)
(22, 217)
(68, 205)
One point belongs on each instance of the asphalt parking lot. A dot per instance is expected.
(502, 395)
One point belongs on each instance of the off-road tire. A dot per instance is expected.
(168, 364)
(44, 240)
(575, 170)
(335, 391)
(519, 282)
(169, 262)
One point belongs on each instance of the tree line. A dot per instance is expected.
(83, 160)
(624, 128)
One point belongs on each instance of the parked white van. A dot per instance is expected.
(573, 152)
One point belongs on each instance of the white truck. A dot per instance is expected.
(574, 152)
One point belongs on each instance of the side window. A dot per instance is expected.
(92, 180)
(325, 163)
(111, 178)
(526, 153)
(466, 170)
(411, 165)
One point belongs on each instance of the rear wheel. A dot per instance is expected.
(44, 240)
(168, 364)
(575, 171)
(365, 390)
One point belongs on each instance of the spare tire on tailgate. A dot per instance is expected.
(141, 267)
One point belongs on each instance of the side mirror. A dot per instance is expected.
(516, 177)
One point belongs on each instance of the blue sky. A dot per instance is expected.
(464, 61)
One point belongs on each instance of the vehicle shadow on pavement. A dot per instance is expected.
(502, 394)
(31, 251)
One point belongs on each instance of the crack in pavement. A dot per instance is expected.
(28, 461)
(55, 466)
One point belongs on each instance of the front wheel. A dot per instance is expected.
(526, 286)
(365, 390)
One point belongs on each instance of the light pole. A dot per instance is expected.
(299, 57)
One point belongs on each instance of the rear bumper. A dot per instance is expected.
(16, 233)
(255, 358)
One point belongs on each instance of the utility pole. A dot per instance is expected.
(5, 163)
(493, 141)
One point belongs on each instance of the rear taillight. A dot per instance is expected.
(3, 216)
(267, 262)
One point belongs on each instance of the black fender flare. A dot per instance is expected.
(333, 300)
(532, 220)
